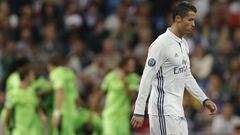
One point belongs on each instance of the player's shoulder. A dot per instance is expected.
(160, 42)
(13, 76)
(111, 74)
(132, 75)
(68, 71)
(109, 77)
(58, 72)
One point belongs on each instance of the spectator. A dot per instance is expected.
(141, 49)
(110, 56)
(224, 123)
(113, 21)
(23, 46)
(79, 56)
(215, 88)
(201, 63)
(50, 43)
(93, 75)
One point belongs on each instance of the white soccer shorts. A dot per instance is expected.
(168, 125)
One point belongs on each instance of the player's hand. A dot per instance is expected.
(55, 121)
(137, 121)
(211, 106)
(3, 132)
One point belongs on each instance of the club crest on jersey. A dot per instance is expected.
(151, 62)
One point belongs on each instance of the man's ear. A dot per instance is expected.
(178, 19)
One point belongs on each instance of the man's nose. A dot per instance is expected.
(193, 24)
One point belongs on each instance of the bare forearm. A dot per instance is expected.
(131, 93)
(6, 121)
(97, 98)
(59, 94)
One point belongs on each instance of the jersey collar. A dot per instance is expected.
(172, 35)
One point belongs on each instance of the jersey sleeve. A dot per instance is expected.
(157, 55)
(192, 86)
(41, 84)
(12, 99)
(105, 83)
(133, 82)
(57, 81)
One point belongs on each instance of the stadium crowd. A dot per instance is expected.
(93, 36)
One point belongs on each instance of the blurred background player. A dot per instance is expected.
(24, 102)
(13, 83)
(63, 81)
(120, 86)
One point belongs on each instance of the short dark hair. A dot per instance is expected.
(124, 61)
(17, 64)
(55, 59)
(182, 8)
(25, 71)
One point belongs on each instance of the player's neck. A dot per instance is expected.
(121, 73)
(24, 85)
(175, 30)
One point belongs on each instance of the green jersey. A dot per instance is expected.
(46, 101)
(64, 78)
(12, 84)
(41, 84)
(25, 103)
(117, 107)
(13, 95)
(13, 81)
(117, 100)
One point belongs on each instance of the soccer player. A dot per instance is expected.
(25, 106)
(64, 84)
(167, 73)
(120, 86)
(12, 84)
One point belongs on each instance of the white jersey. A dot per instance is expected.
(166, 74)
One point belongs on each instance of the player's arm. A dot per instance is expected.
(194, 89)
(156, 56)
(57, 83)
(44, 93)
(131, 84)
(96, 100)
(131, 93)
(8, 109)
(59, 97)
(42, 86)
(42, 115)
(101, 92)
(6, 119)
